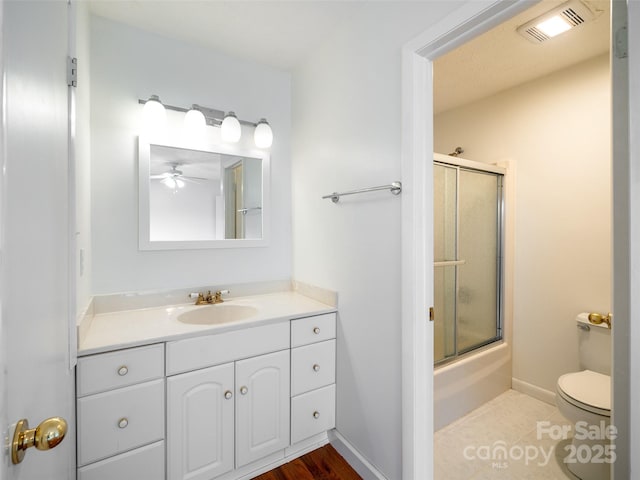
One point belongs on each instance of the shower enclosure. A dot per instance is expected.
(468, 218)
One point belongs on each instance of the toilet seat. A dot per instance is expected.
(590, 391)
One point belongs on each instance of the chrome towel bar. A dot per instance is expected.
(395, 188)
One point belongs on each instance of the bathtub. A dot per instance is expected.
(470, 381)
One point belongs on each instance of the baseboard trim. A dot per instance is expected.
(533, 391)
(360, 464)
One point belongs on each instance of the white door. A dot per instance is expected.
(38, 382)
(200, 410)
(262, 406)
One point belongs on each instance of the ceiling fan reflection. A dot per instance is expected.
(175, 179)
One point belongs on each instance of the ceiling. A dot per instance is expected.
(281, 33)
(501, 58)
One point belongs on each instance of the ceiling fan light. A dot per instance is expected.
(263, 135)
(230, 130)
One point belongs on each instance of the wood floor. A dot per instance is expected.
(321, 464)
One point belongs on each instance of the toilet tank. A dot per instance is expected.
(594, 345)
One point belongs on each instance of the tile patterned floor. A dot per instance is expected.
(474, 447)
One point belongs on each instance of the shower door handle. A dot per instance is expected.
(449, 263)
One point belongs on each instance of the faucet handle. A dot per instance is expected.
(218, 297)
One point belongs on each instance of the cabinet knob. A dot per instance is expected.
(123, 370)
(244, 390)
(228, 394)
(316, 330)
(316, 368)
(123, 422)
(316, 414)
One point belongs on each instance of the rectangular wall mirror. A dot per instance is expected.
(205, 197)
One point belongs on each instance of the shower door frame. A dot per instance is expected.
(470, 165)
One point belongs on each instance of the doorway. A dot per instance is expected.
(468, 22)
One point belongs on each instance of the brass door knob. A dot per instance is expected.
(45, 436)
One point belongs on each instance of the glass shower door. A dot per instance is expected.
(445, 232)
(467, 272)
(478, 245)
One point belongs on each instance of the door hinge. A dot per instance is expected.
(432, 314)
(621, 43)
(72, 72)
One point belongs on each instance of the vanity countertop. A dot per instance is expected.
(130, 328)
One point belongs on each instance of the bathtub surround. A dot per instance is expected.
(556, 132)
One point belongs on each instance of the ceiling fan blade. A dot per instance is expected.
(194, 178)
(160, 176)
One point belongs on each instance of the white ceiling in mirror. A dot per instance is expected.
(192, 163)
(501, 58)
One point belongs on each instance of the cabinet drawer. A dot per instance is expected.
(210, 350)
(146, 462)
(313, 366)
(117, 421)
(106, 371)
(313, 413)
(313, 329)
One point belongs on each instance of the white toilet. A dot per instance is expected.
(585, 396)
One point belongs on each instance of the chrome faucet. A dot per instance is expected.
(209, 298)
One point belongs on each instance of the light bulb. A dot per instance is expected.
(154, 115)
(179, 183)
(194, 121)
(263, 135)
(230, 130)
(169, 182)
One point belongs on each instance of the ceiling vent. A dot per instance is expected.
(554, 22)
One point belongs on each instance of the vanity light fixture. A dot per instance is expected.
(198, 116)
(263, 135)
(556, 21)
(194, 119)
(230, 130)
(154, 113)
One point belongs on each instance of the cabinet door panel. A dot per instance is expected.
(262, 402)
(200, 436)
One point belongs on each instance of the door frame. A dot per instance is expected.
(470, 20)
(4, 421)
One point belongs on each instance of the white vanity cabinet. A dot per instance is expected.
(225, 405)
(120, 414)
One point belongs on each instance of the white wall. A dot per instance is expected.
(556, 131)
(128, 64)
(346, 99)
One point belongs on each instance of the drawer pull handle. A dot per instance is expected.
(244, 390)
(316, 330)
(316, 368)
(316, 414)
(123, 370)
(228, 394)
(123, 422)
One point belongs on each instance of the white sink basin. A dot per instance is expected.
(217, 314)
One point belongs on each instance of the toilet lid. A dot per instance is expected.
(588, 390)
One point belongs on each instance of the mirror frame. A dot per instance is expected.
(144, 163)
